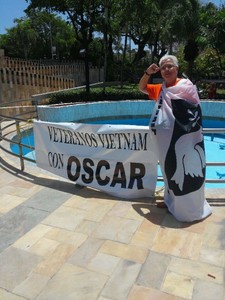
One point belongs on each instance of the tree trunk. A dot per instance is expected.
(123, 59)
(87, 71)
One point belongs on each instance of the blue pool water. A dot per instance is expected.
(214, 151)
(144, 121)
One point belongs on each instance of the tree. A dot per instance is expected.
(99, 32)
(33, 36)
(140, 30)
(19, 40)
(82, 14)
(212, 21)
(207, 64)
(54, 34)
(190, 51)
(159, 23)
(188, 24)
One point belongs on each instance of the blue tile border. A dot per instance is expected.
(76, 112)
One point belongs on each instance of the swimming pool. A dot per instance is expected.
(214, 151)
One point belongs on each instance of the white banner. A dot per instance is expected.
(117, 159)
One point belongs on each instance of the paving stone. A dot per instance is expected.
(77, 201)
(66, 236)
(5, 179)
(47, 199)
(145, 235)
(8, 202)
(87, 227)
(15, 265)
(18, 222)
(31, 237)
(50, 265)
(31, 286)
(196, 269)
(24, 187)
(178, 285)
(176, 242)
(74, 283)
(116, 228)
(217, 216)
(208, 291)
(21, 219)
(20, 183)
(128, 252)
(213, 256)
(170, 222)
(89, 204)
(44, 247)
(214, 236)
(103, 263)
(142, 239)
(151, 227)
(8, 189)
(143, 293)
(83, 255)
(99, 213)
(4, 295)
(195, 227)
(65, 217)
(121, 209)
(7, 239)
(122, 280)
(154, 270)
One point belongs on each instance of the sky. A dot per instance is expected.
(11, 9)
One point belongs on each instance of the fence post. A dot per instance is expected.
(20, 146)
(34, 101)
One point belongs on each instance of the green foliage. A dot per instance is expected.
(105, 31)
(19, 40)
(97, 94)
(208, 65)
(212, 30)
(33, 36)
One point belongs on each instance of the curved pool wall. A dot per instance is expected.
(94, 110)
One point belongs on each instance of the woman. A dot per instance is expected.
(176, 129)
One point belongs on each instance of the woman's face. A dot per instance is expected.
(169, 72)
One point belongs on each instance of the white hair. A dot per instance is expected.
(169, 57)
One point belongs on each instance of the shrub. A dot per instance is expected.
(97, 94)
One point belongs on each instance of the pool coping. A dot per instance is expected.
(76, 112)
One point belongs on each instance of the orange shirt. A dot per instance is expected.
(154, 90)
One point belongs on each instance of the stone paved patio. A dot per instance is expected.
(62, 241)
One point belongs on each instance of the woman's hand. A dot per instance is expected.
(152, 69)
